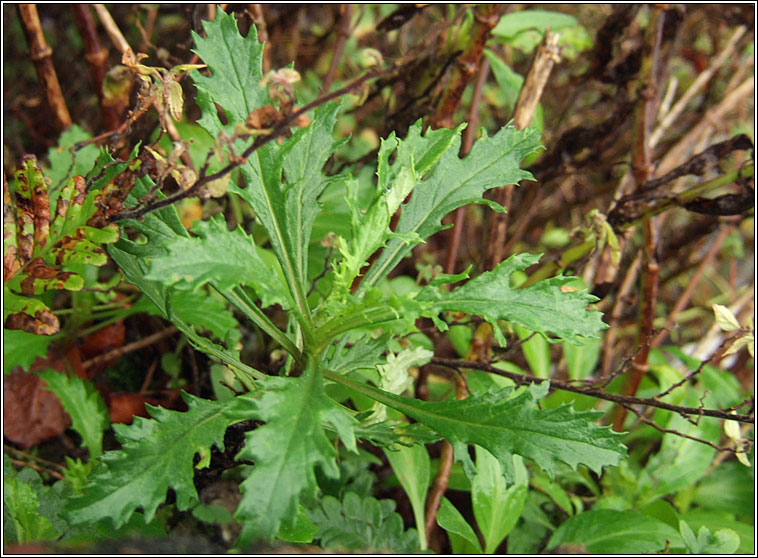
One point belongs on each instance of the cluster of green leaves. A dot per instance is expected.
(328, 332)
(342, 335)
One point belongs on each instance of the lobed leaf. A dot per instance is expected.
(85, 406)
(287, 449)
(507, 424)
(364, 524)
(287, 211)
(542, 307)
(454, 182)
(226, 258)
(414, 158)
(155, 455)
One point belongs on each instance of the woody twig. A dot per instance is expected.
(97, 58)
(41, 54)
(529, 96)
(642, 171)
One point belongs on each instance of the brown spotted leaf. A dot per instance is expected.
(36, 248)
(11, 263)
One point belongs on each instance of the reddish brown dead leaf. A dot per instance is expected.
(31, 413)
(123, 407)
(44, 322)
(24, 231)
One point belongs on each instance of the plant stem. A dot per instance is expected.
(468, 141)
(486, 17)
(97, 58)
(365, 317)
(111, 28)
(526, 104)
(642, 171)
(41, 54)
(343, 33)
(239, 298)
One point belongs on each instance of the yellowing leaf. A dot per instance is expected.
(175, 99)
(725, 319)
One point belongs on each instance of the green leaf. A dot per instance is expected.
(156, 455)
(212, 514)
(496, 508)
(299, 530)
(411, 466)
(507, 424)
(287, 211)
(451, 520)
(391, 434)
(680, 462)
(615, 532)
(720, 520)
(514, 23)
(581, 359)
(542, 307)
(305, 154)
(85, 406)
(235, 66)
(723, 541)
(163, 228)
(22, 349)
(414, 157)
(454, 182)
(364, 524)
(510, 82)
(286, 450)
(536, 350)
(227, 258)
(22, 520)
(64, 164)
(723, 490)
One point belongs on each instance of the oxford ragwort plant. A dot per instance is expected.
(339, 329)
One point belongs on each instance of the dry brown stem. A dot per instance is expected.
(111, 28)
(710, 120)
(131, 347)
(609, 338)
(97, 58)
(529, 96)
(343, 34)
(522, 379)
(469, 133)
(486, 17)
(42, 57)
(442, 478)
(642, 171)
(696, 86)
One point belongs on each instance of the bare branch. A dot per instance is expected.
(724, 414)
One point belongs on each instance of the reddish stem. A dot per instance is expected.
(42, 56)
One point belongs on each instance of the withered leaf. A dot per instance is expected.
(36, 249)
(31, 414)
